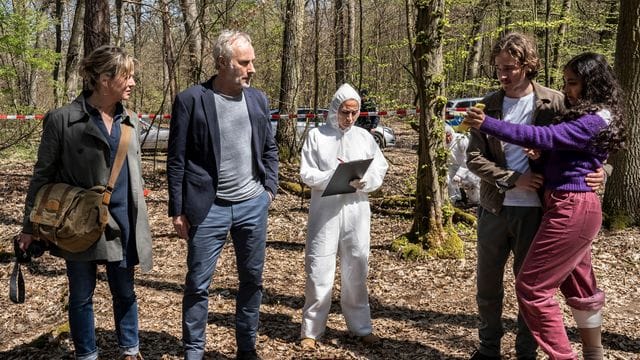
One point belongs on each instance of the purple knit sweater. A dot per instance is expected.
(568, 151)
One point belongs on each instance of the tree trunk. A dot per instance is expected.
(96, 25)
(505, 17)
(316, 55)
(194, 38)
(33, 70)
(621, 200)
(119, 38)
(360, 45)
(547, 44)
(351, 35)
(339, 50)
(57, 85)
(475, 48)
(138, 90)
(290, 78)
(432, 225)
(169, 53)
(73, 54)
(610, 23)
(562, 30)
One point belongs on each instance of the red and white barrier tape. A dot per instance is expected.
(399, 112)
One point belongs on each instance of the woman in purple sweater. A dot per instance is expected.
(560, 255)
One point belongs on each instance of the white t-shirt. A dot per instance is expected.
(518, 111)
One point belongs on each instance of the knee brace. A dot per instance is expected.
(587, 319)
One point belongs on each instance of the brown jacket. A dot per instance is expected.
(73, 150)
(485, 155)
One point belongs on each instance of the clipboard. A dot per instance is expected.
(345, 172)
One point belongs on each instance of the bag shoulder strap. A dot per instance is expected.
(16, 284)
(123, 146)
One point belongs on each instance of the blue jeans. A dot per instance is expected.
(82, 283)
(247, 223)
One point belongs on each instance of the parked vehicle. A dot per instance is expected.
(155, 134)
(456, 108)
(383, 135)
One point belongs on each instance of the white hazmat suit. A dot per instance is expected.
(458, 175)
(338, 222)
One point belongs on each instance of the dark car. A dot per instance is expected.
(383, 135)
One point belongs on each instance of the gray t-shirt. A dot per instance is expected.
(237, 180)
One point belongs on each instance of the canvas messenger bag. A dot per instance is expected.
(74, 218)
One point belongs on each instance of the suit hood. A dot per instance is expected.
(345, 92)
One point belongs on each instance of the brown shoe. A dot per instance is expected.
(370, 339)
(308, 344)
(133, 357)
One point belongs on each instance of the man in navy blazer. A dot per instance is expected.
(222, 169)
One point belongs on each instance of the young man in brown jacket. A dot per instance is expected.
(510, 207)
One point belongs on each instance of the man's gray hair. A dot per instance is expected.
(223, 46)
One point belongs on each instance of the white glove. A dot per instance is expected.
(358, 184)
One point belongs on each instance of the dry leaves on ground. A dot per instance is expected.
(422, 310)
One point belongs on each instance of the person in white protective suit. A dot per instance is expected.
(339, 222)
(458, 175)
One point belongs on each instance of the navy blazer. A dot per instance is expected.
(193, 159)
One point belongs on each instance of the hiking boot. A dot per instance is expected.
(308, 344)
(247, 355)
(477, 355)
(370, 339)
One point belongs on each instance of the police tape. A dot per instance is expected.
(399, 112)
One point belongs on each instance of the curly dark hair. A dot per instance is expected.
(600, 90)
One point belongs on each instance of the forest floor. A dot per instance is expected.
(422, 309)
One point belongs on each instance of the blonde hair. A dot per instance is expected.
(107, 59)
(520, 47)
(223, 46)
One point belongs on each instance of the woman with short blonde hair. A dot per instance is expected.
(78, 147)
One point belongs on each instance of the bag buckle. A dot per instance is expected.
(106, 196)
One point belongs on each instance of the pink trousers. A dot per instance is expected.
(560, 257)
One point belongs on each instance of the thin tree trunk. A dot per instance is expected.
(547, 44)
(505, 17)
(73, 53)
(33, 73)
(57, 87)
(316, 55)
(138, 90)
(119, 38)
(562, 30)
(169, 53)
(475, 49)
(340, 35)
(360, 45)
(351, 35)
(621, 200)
